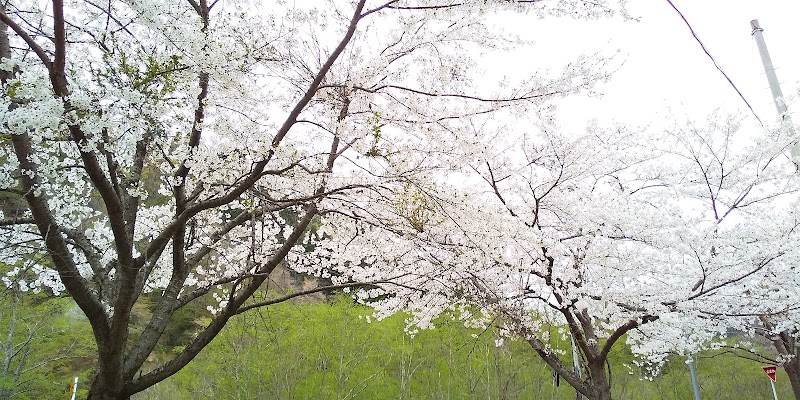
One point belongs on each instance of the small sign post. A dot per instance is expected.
(73, 388)
(771, 371)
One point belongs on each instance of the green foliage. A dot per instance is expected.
(415, 207)
(331, 351)
(721, 377)
(336, 354)
(374, 124)
(12, 88)
(148, 74)
(334, 351)
(50, 345)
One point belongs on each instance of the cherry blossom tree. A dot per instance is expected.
(559, 223)
(184, 149)
(664, 239)
(747, 188)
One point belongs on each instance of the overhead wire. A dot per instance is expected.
(716, 64)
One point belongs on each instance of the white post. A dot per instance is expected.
(74, 388)
(774, 393)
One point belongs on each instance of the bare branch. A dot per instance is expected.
(40, 52)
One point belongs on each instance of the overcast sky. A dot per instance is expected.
(666, 73)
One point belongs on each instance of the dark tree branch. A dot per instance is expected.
(40, 52)
(17, 221)
(204, 337)
(259, 167)
(55, 243)
(373, 284)
(622, 330)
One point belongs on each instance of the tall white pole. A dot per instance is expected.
(693, 373)
(769, 69)
(774, 86)
(780, 105)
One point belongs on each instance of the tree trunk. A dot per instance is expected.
(792, 368)
(99, 389)
(786, 346)
(601, 387)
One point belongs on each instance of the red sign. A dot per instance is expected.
(770, 370)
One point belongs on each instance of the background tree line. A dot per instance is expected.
(333, 350)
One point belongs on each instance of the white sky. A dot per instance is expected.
(666, 74)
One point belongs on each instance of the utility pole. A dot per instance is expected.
(774, 86)
(693, 373)
(786, 120)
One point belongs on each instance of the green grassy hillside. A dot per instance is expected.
(331, 351)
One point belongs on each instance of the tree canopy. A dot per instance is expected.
(185, 149)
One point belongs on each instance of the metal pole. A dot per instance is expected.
(774, 85)
(774, 393)
(693, 373)
(772, 78)
(780, 104)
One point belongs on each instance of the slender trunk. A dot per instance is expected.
(6, 392)
(792, 368)
(786, 346)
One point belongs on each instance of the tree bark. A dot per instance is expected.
(786, 346)
(601, 385)
(101, 390)
(792, 368)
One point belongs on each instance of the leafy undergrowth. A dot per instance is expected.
(331, 351)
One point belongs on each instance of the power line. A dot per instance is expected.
(719, 68)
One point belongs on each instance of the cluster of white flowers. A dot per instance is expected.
(445, 192)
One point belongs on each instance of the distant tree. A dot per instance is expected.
(37, 341)
(163, 146)
(16, 348)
